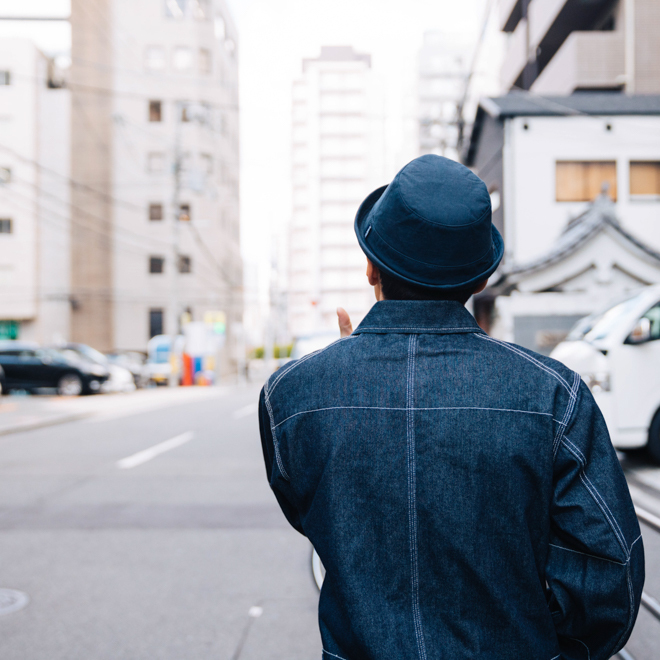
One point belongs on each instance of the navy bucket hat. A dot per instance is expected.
(431, 226)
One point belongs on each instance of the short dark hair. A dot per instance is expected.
(395, 289)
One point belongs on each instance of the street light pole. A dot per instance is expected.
(173, 307)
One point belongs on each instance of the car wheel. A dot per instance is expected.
(70, 385)
(653, 447)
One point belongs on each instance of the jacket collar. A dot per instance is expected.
(417, 317)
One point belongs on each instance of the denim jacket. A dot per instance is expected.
(462, 493)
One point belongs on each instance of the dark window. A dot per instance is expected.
(184, 212)
(156, 264)
(5, 78)
(185, 264)
(5, 175)
(155, 111)
(155, 322)
(155, 211)
(6, 226)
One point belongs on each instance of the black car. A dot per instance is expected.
(28, 367)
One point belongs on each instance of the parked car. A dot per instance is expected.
(134, 361)
(120, 379)
(28, 367)
(161, 356)
(617, 353)
(3, 387)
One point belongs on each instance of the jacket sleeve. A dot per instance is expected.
(279, 482)
(595, 565)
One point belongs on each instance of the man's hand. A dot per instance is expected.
(345, 327)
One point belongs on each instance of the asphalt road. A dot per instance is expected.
(147, 531)
(179, 555)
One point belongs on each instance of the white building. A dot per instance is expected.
(443, 69)
(155, 151)
(337, 160)
(35, 225)
(545, 160)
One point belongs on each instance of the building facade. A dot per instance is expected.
(444, 67)
(563, 46)
(337, 159)
(155, 155)
(35, 214)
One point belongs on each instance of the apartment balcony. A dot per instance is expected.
(516, 56)
(586, 60)
(510, 14)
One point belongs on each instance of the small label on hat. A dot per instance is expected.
(366, 233)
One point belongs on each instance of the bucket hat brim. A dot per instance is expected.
(361, 219)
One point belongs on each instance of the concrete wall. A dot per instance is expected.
(533, 219)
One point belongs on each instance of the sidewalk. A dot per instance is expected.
(25, 413)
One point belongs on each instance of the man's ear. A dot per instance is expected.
(373, 274)
(481, 287)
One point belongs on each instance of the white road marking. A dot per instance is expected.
(246, 411)
(147, 454)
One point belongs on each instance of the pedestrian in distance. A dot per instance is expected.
(461, 491)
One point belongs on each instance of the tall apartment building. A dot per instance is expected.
(337, 159)
(563, 46)
(154, 125)
(35, 226)
(444, 63)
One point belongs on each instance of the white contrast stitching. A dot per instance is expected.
(567, 415)
(273, 431)
(304, 359)
(333, 655)
(540, 365)
(305, 412)
(586, 554)
(635, 541)
(412, 498)
(597, 497)
(555, 658)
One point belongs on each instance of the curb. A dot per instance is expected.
(44, 423)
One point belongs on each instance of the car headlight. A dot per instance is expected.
(597, 382)
(98, 370)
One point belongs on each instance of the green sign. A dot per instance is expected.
(9, 329)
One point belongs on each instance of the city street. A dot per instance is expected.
(182, 554)
(144, 529)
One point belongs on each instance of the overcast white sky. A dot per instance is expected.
(274, 36)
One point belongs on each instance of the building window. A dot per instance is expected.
(154, 58)
(205, 61)
(155, 212)
(156, 162)
(583, 181)
(5, 78)
(185, 264)
(184, 212)
(207, 163)
(155, 111)
(645, 179)
(155, 322)
(6, 226)
(182, 59)
(5, 175)
(156, 265)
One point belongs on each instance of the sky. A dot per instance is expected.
(274, 37)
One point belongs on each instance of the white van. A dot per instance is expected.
(617, 353)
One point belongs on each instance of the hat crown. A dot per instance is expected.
(431, 225)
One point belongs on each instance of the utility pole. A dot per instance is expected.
(173, 307)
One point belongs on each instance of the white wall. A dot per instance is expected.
(533, 218)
